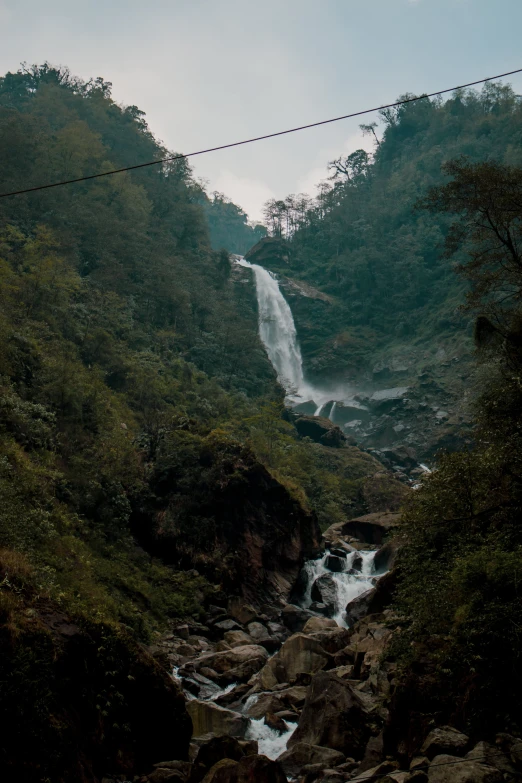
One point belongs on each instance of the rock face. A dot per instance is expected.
(335, 716)
(208, 717)
(320, 430)
(261, 536)
(324, 591)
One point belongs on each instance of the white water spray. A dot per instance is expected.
(347, 585)
(277, 329)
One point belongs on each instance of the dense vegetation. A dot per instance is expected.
(363, 242)
(460, 571)
(127, 347)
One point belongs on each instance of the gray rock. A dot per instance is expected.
(301, 754)
(452, 769)
(209, 717)
(444, 739)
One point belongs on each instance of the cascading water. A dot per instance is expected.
(348, 583)
(277, 329)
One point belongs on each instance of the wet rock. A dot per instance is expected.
(342, 552)
(299, 654)
(233, 696)
(302, 753)
(275, 723)
(444, 739)
(319, 608)
(359, 607)
(452, 769)
(373, 601)
(335, 716)
(249, 747)
(335, 563)
(209, 717)
(315, 624)
(385, 558)
(324, 590)
(275, 702)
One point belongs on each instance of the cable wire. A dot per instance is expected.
(258, 138)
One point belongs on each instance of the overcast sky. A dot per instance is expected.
(207, 72)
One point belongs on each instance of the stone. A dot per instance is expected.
(419, 762)
(332, 639)
(385, 558)
(299, 654)
(227, 625)
(379, 771)
(302, 753)
(334, 563)
(275, 723)
(324, 590)
(237, 639)
(373, 601)
(257, 631)
(242, 662)
(369, 528)
(223, 771)
(275, 702)
(453, 769)
(260, 769)
(241, 611)
(335, 716)
(373, 753)
(488, 754)
(209, 717)
(295, 618)
(315, 624)
(444, 739)
(249, 747)
(320, 430)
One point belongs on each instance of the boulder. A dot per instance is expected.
(241, 611)
(278, 701)
(295, 618)
(335, 563)
(379, 771)
(315, 624)
(224, 771)
(359, 607)
(259, 769)
(386, 556)
(237, 639)
(212, 751)
(324, 590)
(257, 631)
(301, 754)
(299, 654)
(242, 662)
(161, 775)
(488, 754)
(369, 528)
(373, 601)
(275, 723)
(209, 717)
(373, 753)
(320, 430)
(332, 639)
(453, 769)
(444, 739)
(335, 716)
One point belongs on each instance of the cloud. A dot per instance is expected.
(249, 193)
(5, 14)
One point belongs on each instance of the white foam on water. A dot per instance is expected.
(347, 586)
(270, 742)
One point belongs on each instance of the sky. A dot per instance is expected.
(209, 72)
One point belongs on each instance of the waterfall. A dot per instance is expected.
(277, 329)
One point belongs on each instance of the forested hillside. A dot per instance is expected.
(135, 399)
(394, 295)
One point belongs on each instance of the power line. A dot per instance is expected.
(258, 138)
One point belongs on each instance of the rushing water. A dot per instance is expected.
(277, 329)
(270, 742)
(348, 583)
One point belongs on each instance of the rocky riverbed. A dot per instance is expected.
(279, 693)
